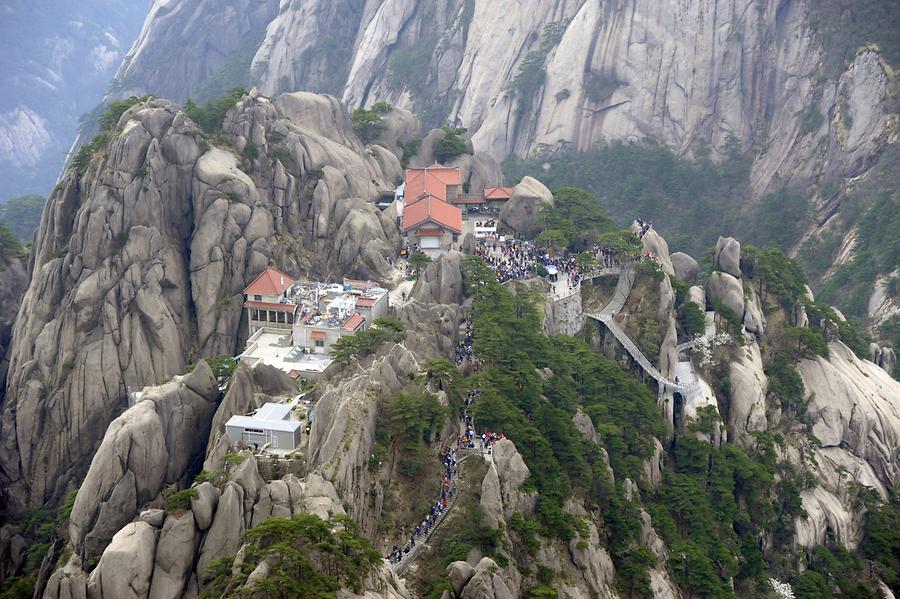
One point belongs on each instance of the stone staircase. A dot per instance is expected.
(422, 538)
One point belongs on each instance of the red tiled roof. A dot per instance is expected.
(366, 302)
(269, 282)
(431, 209)
(498, 193)
(270, 306)
(432, 180)
(317, 334)
(354, 322)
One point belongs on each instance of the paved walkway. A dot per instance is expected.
(423, 537)
(562, 289)
(607, 317)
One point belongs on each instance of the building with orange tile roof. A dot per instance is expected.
(289, 321)
(440, 181)
(498, 193)
(270, 285)
(433, 224)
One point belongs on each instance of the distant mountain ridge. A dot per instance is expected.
(57, 60)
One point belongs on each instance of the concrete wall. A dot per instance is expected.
(303, 336)
(379, 310)
(564, 316)
(288, 440)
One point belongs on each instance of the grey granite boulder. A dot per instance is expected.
(728, 256)
(686, 268)
(522, 214)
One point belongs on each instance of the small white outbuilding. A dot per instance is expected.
(270, 424)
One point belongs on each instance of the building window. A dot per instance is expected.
(254, 431)
(257, 298)
(280, 316)
(320, 343)
(290, 318)
(254, 315)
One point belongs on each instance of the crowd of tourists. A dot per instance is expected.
(643, 226)
(465, 350)
(523, 259)
(438, 508)
(470, 439)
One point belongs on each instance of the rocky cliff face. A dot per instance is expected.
(140, 261)
(12, 285)
(143, 552)
(566, 70)
(759, 76)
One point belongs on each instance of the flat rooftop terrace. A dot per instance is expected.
(273, 348)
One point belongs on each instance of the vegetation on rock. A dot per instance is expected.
(366, 343)
(451, 146)
(367, 121)
(10, 247)
(210, 116)
(309, 557)
(107, 122)
(22, 215)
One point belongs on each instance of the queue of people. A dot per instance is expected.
(450, 457)
(438, 508)
(465, 350)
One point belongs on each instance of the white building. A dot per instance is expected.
(271, 425)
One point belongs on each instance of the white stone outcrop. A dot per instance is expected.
(856, 422)
(501, 493)
(686, 268)
(747, 394)
(126, 566)
(697, 296)
(653, 243)
(728, 256)
(853, 405)
(150, 445)
(723, 287)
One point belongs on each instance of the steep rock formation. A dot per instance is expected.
(724, 288)
(140, 262)
(193, 40)
(686, 268)
(611, 71)
(728, 256)
(13, 281)
(343, 431)
(501, 493)
(856, 424)
(170, 557)
(151, 445)
(747, 395)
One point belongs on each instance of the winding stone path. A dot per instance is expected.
(606, 316)
(423, 537)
